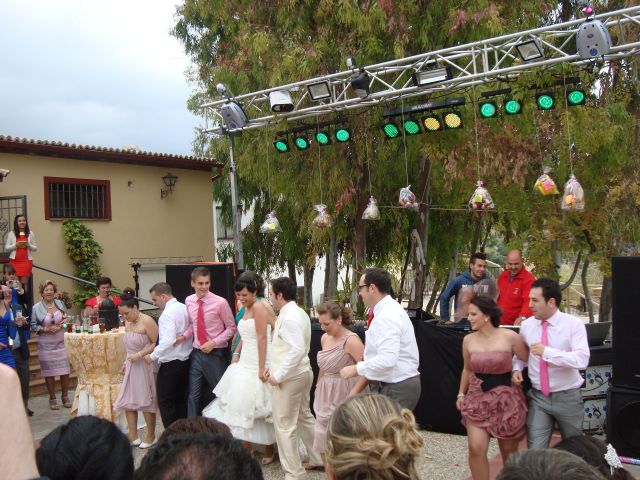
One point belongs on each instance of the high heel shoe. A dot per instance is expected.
(65, 402)
(53, 404)
(268, 460)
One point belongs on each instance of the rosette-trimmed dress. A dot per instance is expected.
(491, 401)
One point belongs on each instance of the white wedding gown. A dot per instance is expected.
(243, 401)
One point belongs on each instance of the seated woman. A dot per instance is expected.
(371, 437)
(138, 391)
(47, 317)
(490, 405)
(103, 284)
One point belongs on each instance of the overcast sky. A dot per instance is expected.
(103, 73)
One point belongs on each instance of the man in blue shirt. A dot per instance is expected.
(476, 272)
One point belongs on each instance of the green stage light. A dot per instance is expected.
(576, 97)
(411, 127)
(512, 106)
(282, 146)
(488, 109)
(390, 130)
(302, 142)
(343, 135)
(322, 137)
(432, 123)
(545, 101)
(453, 120)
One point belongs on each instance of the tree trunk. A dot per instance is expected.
(405, 267)
(568, 283)
(327, 272)
(419, 239)
(291, 268)
(434, 294)
(332, 290)
(605, 300)
(585, 288)
(308, 286)
(476, 233)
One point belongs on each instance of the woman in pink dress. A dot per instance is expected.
(340, 348)
(138, 390)
(490, 405)
(20, 243)
(47, 317)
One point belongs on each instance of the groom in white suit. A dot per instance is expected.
(291, 377)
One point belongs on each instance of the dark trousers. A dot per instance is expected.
(22, 368)
(406, 393)
(171, 387)
(205, 372)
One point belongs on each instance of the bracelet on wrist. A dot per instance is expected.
(460, 395)
(235, 353)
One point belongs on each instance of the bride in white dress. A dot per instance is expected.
(243, 398)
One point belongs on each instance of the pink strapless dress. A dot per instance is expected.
(502, 410)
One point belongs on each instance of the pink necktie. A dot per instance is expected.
(202, 330)
(544, 367)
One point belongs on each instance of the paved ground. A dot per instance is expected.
(445, 456)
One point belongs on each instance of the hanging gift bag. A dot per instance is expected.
(573, 197)
(271, 224)
(322, 219)
(481, 198)
(371, 212)
(545, 184)
(406, 198)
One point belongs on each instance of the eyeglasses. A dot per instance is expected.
(360, 287)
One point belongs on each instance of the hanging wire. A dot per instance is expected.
(404, 141)
(319, 162)
(266, 133)
(366, 146)
(566, 109)
(535, 128)
(475, 124)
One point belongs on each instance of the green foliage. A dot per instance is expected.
(84, 252)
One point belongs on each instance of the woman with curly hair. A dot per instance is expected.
(371, 437)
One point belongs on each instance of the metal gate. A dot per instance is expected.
(9, 208)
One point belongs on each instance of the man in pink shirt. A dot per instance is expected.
(211, 325)
(558, 350)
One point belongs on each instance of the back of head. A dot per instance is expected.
(286, 287)
(537, 464)
(161, 288)
(592, 451)
(380, 278)
(198, 456)
(371, 437)
(85, 447)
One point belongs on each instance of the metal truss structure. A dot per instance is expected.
(476, 63)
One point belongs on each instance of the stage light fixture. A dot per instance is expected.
(390, 129)
(576, 97)
(301, 141)
(280, 101)
(360, 84)
(530, 50)
(282, 145)
(322, 137)
(342, 135)
(512, 106)
(545, 101)
(319, 91)
(488, 109)
(432, 123)
(429, 76)
(411, 127)
(453, 120)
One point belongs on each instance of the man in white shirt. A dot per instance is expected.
(172, 380)
(291, 377)
(390, 351)
(558, 350)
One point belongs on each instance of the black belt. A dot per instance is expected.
(493, 380)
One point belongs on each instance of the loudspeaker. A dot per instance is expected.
(223, 277)
(623, 421)
(625, 322)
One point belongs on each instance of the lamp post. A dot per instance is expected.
(237, 209)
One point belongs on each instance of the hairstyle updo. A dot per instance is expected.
(336, 311)
(489, 307)
(253, 282)
(371, 437)
(128, 298)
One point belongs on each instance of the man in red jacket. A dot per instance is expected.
(514, 284)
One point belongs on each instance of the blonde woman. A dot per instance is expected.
(372, 437)
(340, 347)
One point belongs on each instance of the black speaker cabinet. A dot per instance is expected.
(625, 321)
(623, 421)
(223, 277)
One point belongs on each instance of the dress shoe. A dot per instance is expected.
(135, 443)
(145, 445)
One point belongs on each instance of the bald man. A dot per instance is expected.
(514, 284)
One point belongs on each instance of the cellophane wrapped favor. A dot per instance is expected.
(371, 212)
(406, 198)
(271, 224)
(573, 197)
(481, 198)
(545, 184)
(322, 219)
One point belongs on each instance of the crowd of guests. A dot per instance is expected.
(216, 406)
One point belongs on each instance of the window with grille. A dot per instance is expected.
(77, 198)
(223, 231)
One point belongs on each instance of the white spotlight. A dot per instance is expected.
(280, 101)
